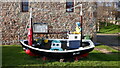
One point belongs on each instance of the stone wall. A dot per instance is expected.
(0, 24)
(14, 22)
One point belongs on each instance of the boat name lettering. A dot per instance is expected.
(76, 53)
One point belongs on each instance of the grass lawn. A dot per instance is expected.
(109, 29)
(13, 55)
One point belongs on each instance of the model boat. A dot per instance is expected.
(73, 46)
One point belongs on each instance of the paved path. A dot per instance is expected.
(109, 39)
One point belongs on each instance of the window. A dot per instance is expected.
(25, 6)
(69, 6)
(118, 4)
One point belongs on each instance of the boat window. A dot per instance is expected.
(75, 37)
(69, 6)
(25, 6)
(53, 44)
(57, 44)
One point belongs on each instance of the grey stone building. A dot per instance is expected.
(14, 21)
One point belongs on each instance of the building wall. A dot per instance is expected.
(14, 22)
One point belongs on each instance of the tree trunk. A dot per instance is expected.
(115, 20)
(98, 27)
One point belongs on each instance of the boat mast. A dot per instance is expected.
(81, 20)
(30, 30)
(30, 17)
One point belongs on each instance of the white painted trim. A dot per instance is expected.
(66, 51)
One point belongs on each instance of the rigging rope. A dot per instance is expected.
(40, 9)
